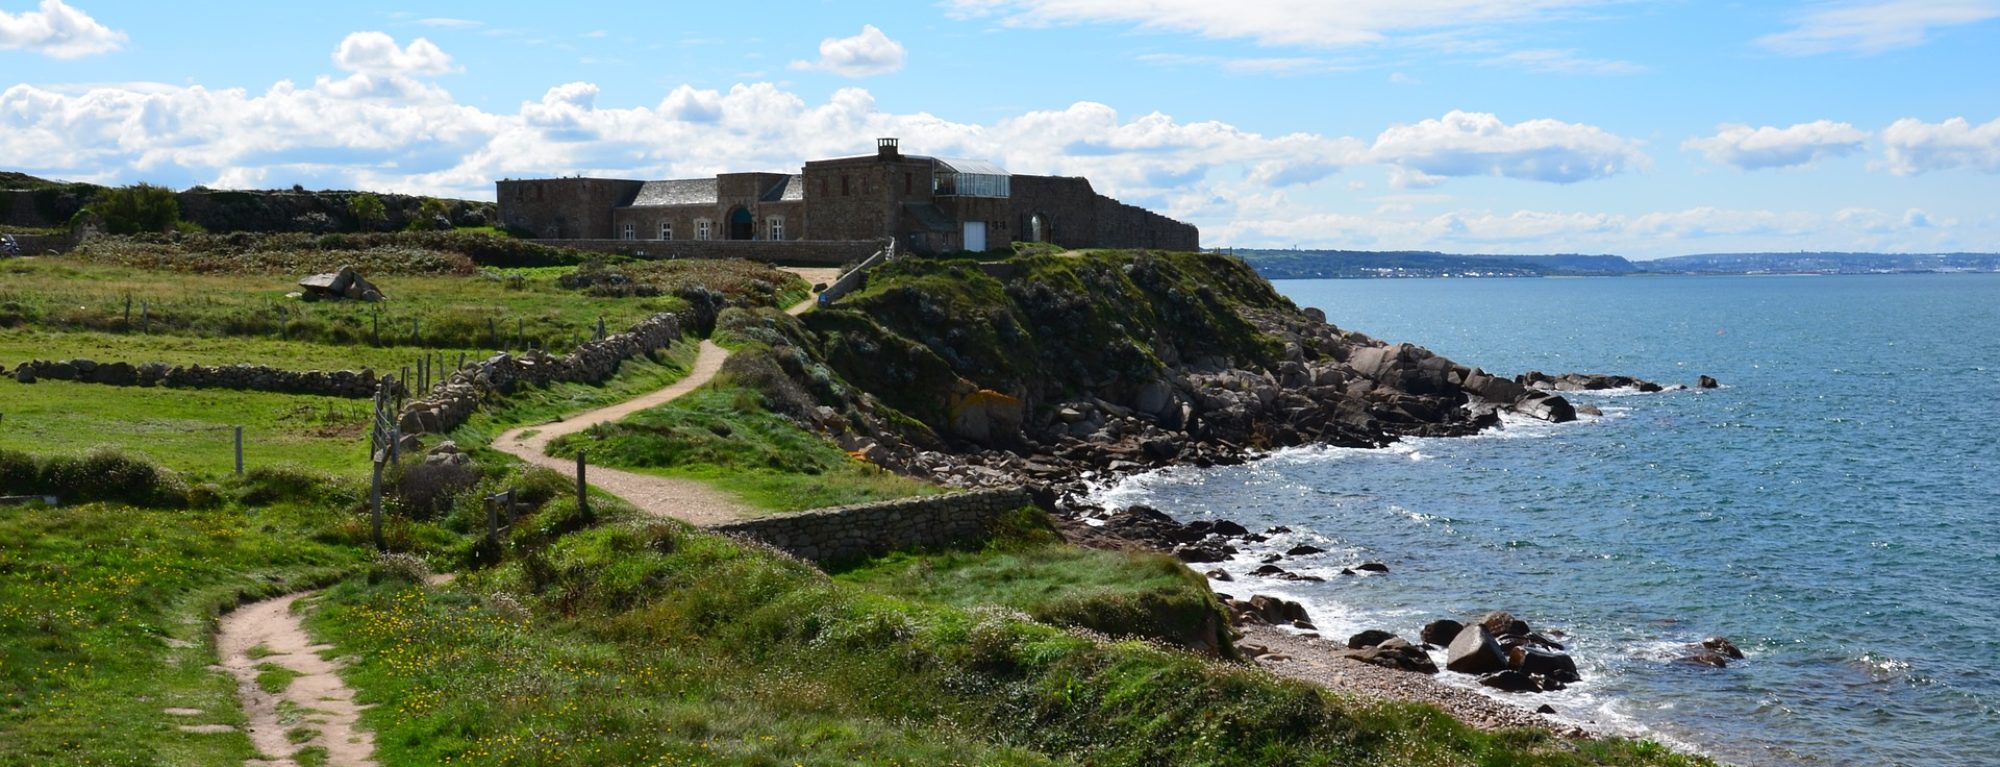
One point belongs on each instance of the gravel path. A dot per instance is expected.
(687, 500)
(268, 632)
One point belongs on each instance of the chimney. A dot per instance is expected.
(885, 149)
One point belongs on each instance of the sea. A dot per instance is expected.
(1833, 508)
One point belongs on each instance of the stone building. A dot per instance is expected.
(928, 204)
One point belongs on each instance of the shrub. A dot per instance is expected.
(397, 566)
(427, 489)
(17, 473)
(108, 475)
(137, 209)
(266, 485)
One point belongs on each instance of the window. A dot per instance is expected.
(701, 231)
(777, 228)
(666, 230)
(631, 232)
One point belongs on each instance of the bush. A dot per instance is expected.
(427, 489)
(396, 566)
(137, 209)
(108, 475)
(266, 485)
(17, 473)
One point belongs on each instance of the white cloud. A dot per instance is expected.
(1566, 62)
(1772, 147)
(1876, 26)
(1915, 146)
(1313, 23)
(863, 55)
(451, 23)
(377, 54)
(59, 31)
(1479, 144)
(1254, 65)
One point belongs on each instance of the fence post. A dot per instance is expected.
(492, 522)
(375, 504)
(582, 499)
(513, 511)
(239, 451)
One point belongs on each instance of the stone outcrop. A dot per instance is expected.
(1475, 651)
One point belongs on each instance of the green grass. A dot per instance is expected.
(275, 679)
(106, 614)
(657, 644)
(437, 311)
(187, 430)
(722, 435)
(19, 345)
(1118, 593)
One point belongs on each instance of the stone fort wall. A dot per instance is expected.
(851, 532)
(825, 252)
(1075, 216)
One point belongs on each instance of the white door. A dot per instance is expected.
(975, 236)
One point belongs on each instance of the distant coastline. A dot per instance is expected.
(1361, 264)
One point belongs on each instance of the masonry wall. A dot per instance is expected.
(564, 208)
(830, 253)
(852, 532)
(685, 219)
(1075, 216)
(861, 198)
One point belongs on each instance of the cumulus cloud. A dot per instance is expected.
(1565, 62)
(1280, 22)
(1877, 25)
(1772, 147)
(1480, 144)
(1915, 146)
(863, 55)
(59, 31)
(376, 53)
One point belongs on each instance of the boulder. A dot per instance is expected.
(1395, 653)
(1547, 407)
(1502, 623)
(1202, 552)
(1369, 638)
(1226, 527)
(1275, 610)
(1722, 646)
(1707, 658)
(1300, 551)
(1511, 681)
(1441, 632)
(1373, 567)
(1219, 575)
(1269, 570)
(1706, 382)
(1473, 651)
(1536, 661)
(25, 373)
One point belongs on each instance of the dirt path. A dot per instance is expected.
(687, 500)
(264, 637)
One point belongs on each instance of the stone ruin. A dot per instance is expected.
(344, 284)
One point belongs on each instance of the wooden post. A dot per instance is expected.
(582, 499)
(145, 317)
(493, 332)
(521, 332)
(375, 504)
(513, 511)
(128, 311)
(492, 522)
(239, 451)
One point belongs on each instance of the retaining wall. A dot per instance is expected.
(862, 530)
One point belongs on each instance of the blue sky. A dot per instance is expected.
(1521, 126)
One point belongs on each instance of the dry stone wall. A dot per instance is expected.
(338, 383)
(851, 532)
(452, 401)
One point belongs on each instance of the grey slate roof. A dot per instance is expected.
(792, 189)
(689, 191)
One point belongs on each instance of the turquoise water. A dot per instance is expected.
(1833, 509)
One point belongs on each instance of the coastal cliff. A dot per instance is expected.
(1043, 367)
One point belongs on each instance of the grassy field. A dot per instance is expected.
(723, 436)
(189, 430)
(19, 345)
(107, 617)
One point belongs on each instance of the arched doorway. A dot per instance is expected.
(1038, 228)
(741, 224)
